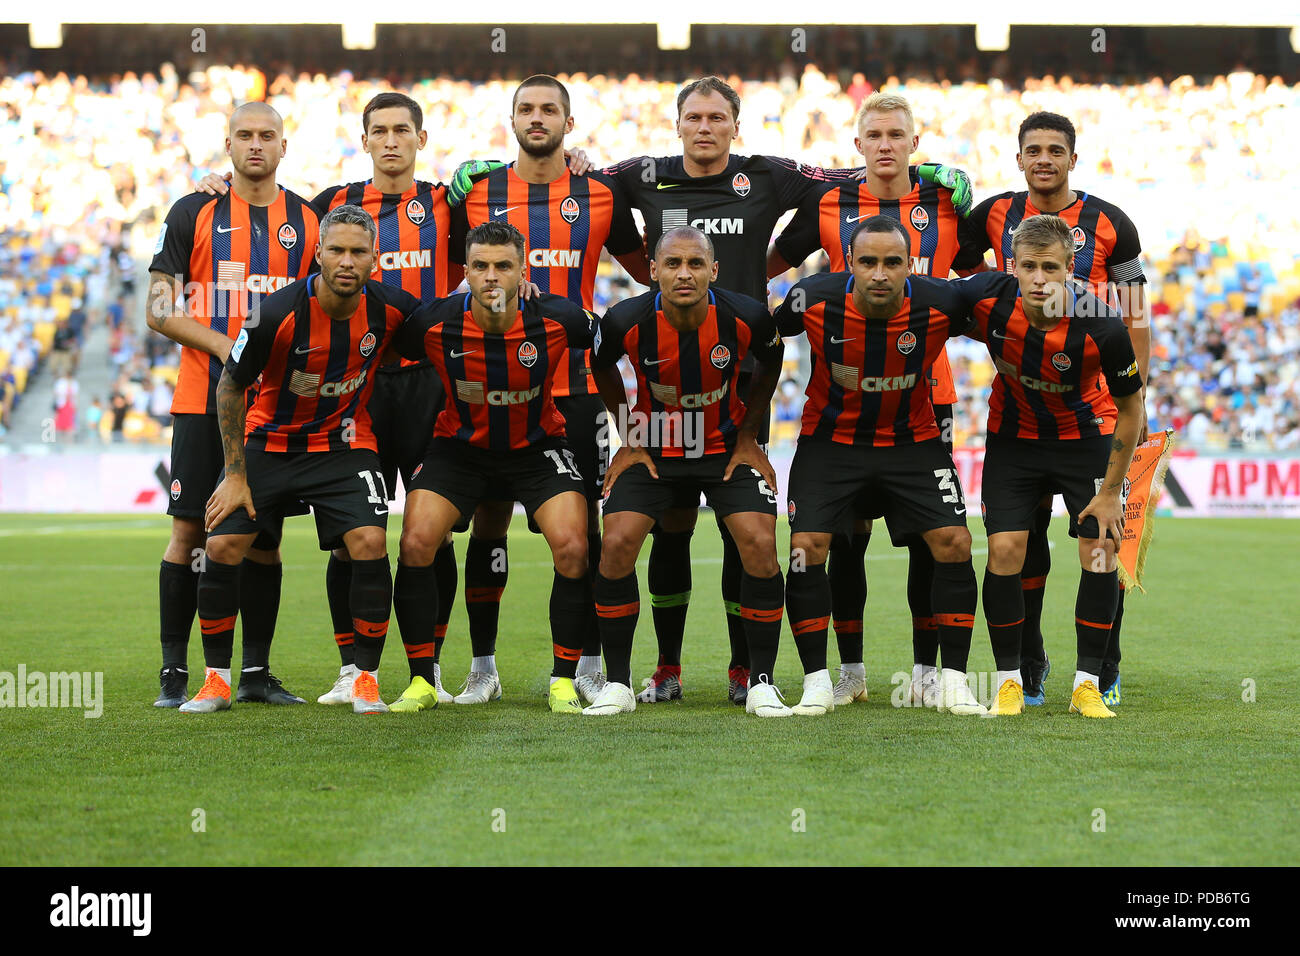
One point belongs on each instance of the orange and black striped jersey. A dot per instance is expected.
(565, 223)
(317, 372)
(497, 383)
(1106, 244)
(413, 230)
(868, 384)
(228, 255)
(926, 212)
(1049, 383)
(681, 374)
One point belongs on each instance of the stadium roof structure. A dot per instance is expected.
(358, 21)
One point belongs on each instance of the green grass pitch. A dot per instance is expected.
(1190, 773)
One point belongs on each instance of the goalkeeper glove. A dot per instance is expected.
(950, 177)
(465, 176)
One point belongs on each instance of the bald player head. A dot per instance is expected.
(684, 266)
(255, 141)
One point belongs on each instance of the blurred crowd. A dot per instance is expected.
(89, 169)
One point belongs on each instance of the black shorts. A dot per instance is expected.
(344, 488)
(1018, 472)
(743, 380)
(466, 475)
(587, 430)
(196, 466)
(403, 408)
(915, 487)
(683, 478)
(942, 414)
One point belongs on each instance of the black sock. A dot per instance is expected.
(808, 604)
(178, 602)
(415, 602)
(733, 570)
(1004, 612)
(920, 589)
(487, 566)
(1094, 609)
(618, 605)
(591, 632)
(669, 580)
(218, 606)
(259, 606)
(1111, 658)
(448, 576)
(1033, 579)
(847, 572)
(372, 603)
(338, 587)
(954, 598)
(761, 603)
(570, 605)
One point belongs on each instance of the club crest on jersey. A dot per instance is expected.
(1077, 234)
(1060, 361)
(527, 355)
(720, 356)
(906, 342)
(740, 183)
(569, 209)
(367, 344)
(920, 218)
(288, 236)
(176, 489)
(415, 211)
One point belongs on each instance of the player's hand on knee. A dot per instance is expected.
(1108, 510)
(748, 453)
(625, 458)
(231, 495)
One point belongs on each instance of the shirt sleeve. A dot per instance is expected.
(459, 230)
(973, 237)
(796, 181)
(1124, 265)
(171, 253)
(607, 345)
(252, 349)
(787, 320)
(580, 325)
(624, 236)
(765, 341)
(802, 237)
(409, 337)
(321, 204)
(1118, 362)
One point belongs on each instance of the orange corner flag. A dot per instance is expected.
(1145, 479)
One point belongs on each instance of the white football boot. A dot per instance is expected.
(852, 684)
(480, 687)
(341, 692)
(818, 695)
(764, 700)
(614, 698)
(955, 695)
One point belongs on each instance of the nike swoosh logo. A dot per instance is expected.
(224, 230)
(378, 512)
(302, 351)
(456, 354)
(855, 218)
(655, 362)
(960, 511)
(998, 335)
(666, 185)
(502, 212)
(835, 341)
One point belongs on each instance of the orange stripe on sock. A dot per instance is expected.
(417, 650)
(618, 610)
(566, 653)
(343, 640)
(439, 631)
(811, 624)
(217, 625)
(370, 628)
(924, 623)
(766, 615)
(955, 620)
(848, 627)
(483, 595)
(1012, 624)
(1100, 627)
(1032, 584)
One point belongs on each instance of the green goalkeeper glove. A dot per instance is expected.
(465, 176)
(950, 177)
